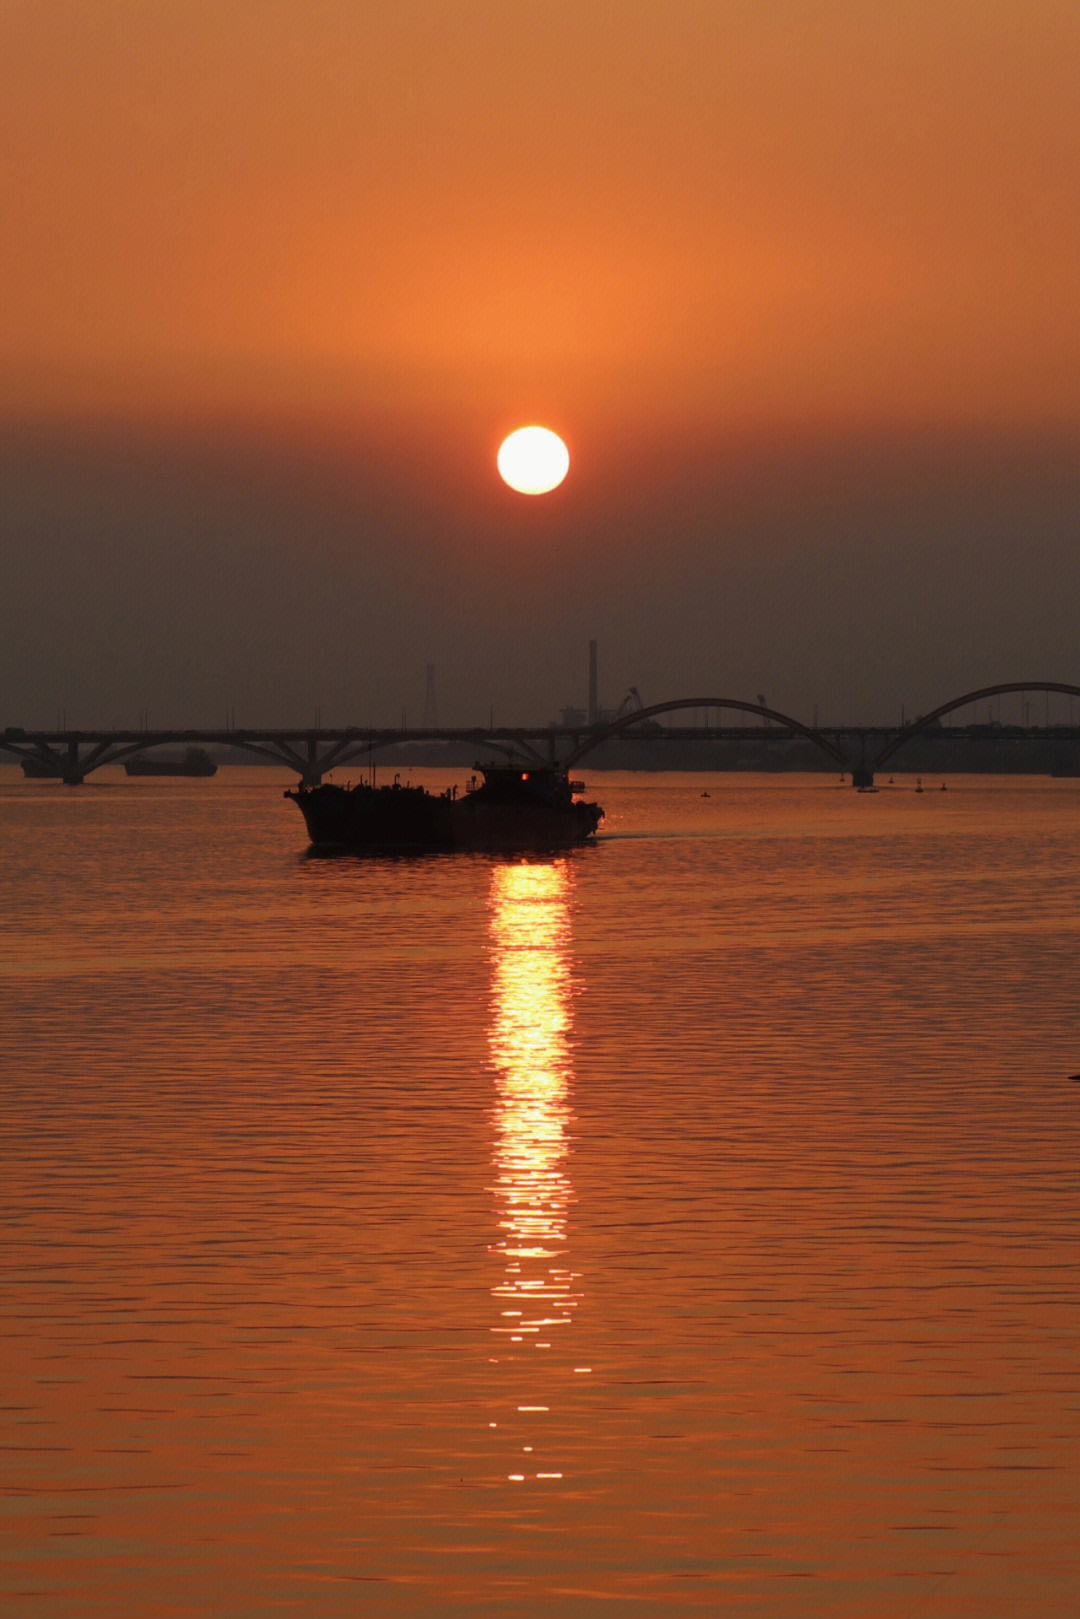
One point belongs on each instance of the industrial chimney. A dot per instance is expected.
(594, 705)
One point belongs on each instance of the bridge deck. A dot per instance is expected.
(313, 751)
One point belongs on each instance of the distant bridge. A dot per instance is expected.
(71, 755)
(927, 722)
(860, 750)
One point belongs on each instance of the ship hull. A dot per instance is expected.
(388, 820)
(374, 819)
(193, 763)
(36, 769)
(479, 825)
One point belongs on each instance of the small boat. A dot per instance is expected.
(35, 767)
(505, 807)
(195, 762)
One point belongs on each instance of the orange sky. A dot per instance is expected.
(745, 211)
(798, 284)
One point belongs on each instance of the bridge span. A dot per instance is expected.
(858, 751)
(312, 752)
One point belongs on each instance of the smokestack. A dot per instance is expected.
(594, 706)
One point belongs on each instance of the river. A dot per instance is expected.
(688, 1224)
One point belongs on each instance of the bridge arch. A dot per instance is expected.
(628, 721)
(72, 756)
(357, 746)
(926, 720)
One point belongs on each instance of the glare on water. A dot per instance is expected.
(530, 1050)
(687, 1224)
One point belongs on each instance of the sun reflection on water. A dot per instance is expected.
(530, 1050)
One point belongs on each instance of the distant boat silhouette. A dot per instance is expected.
(195, 762)
(36, 768)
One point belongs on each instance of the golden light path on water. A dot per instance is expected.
(530, 1050)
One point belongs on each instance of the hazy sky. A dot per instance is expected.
(798, 283)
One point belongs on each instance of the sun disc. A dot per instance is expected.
(533, 460)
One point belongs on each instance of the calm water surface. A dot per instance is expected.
(686, 1225)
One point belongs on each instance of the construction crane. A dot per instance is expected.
(630, 704)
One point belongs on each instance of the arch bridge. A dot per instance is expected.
(627, 722)
(71, 755)
(928, 722)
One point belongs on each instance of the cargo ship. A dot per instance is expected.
(35, 767)
(195, 762)
(504, 807)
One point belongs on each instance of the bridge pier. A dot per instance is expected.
(312, 773)
(72, 772)
(862, 775)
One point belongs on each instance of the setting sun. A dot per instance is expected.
(533, 460)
